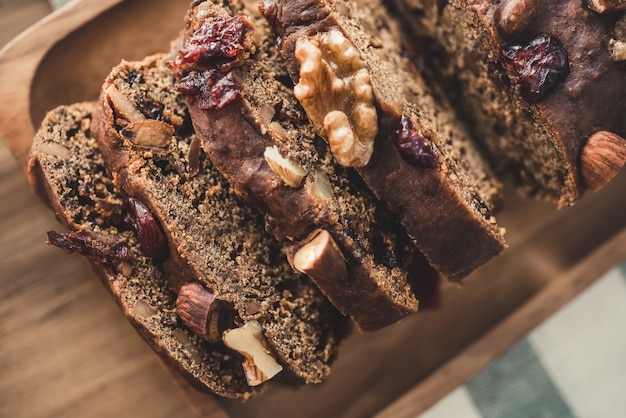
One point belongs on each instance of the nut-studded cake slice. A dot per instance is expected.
(242, 106)
(361, 92)
(543, 83)
(233, 279)
(68, 173)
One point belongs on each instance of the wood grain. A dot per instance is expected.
(515, 327)
(65, 344)
(65, 350)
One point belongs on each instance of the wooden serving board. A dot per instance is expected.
(66, 350)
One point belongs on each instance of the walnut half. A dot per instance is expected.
(336, 92)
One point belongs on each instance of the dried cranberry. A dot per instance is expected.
(414, 147)
(211, 88)
(151, 239)
(94, 247)
(221, 38)
(535, 69)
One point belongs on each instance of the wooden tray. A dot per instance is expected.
(399, 371)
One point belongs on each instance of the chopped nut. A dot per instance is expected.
(53, 149)
(126, 268)
(290, 171)
(199, 311)
(602, 157)
(143, 309)
(193, 156)
(513, 17)
(321, 188)
(259, 364)
(617, 44)
(342, 8)
(321, 258)
(122, 105)
(188, 345)
(604, 6)
(617, 50)
(149, 133)
(278, 130)
(336, 93)
(266, 113)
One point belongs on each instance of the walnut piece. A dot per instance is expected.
(289, 170)
(259, 364)
(336, 92)
(617, 44)
(601, 158)
(320, 188)
(605, 6)
(513, 17)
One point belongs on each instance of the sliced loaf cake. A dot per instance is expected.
(543, 84)
(241, 102)
(68, 173)
(355, 78)
(147, 140)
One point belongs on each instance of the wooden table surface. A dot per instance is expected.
(33, 340)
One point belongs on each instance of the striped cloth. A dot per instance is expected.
(573, 365)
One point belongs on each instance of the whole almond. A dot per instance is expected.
(601, 158)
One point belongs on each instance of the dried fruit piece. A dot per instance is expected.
(219, 39)
(535, 69)
(414, 147)
(151, 239)
(94, 247)
(211, 88)
(259, 364)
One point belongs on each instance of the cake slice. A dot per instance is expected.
(355, 78)
(146, 138)
(68, 173)
(541, 82)
(242, 106)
